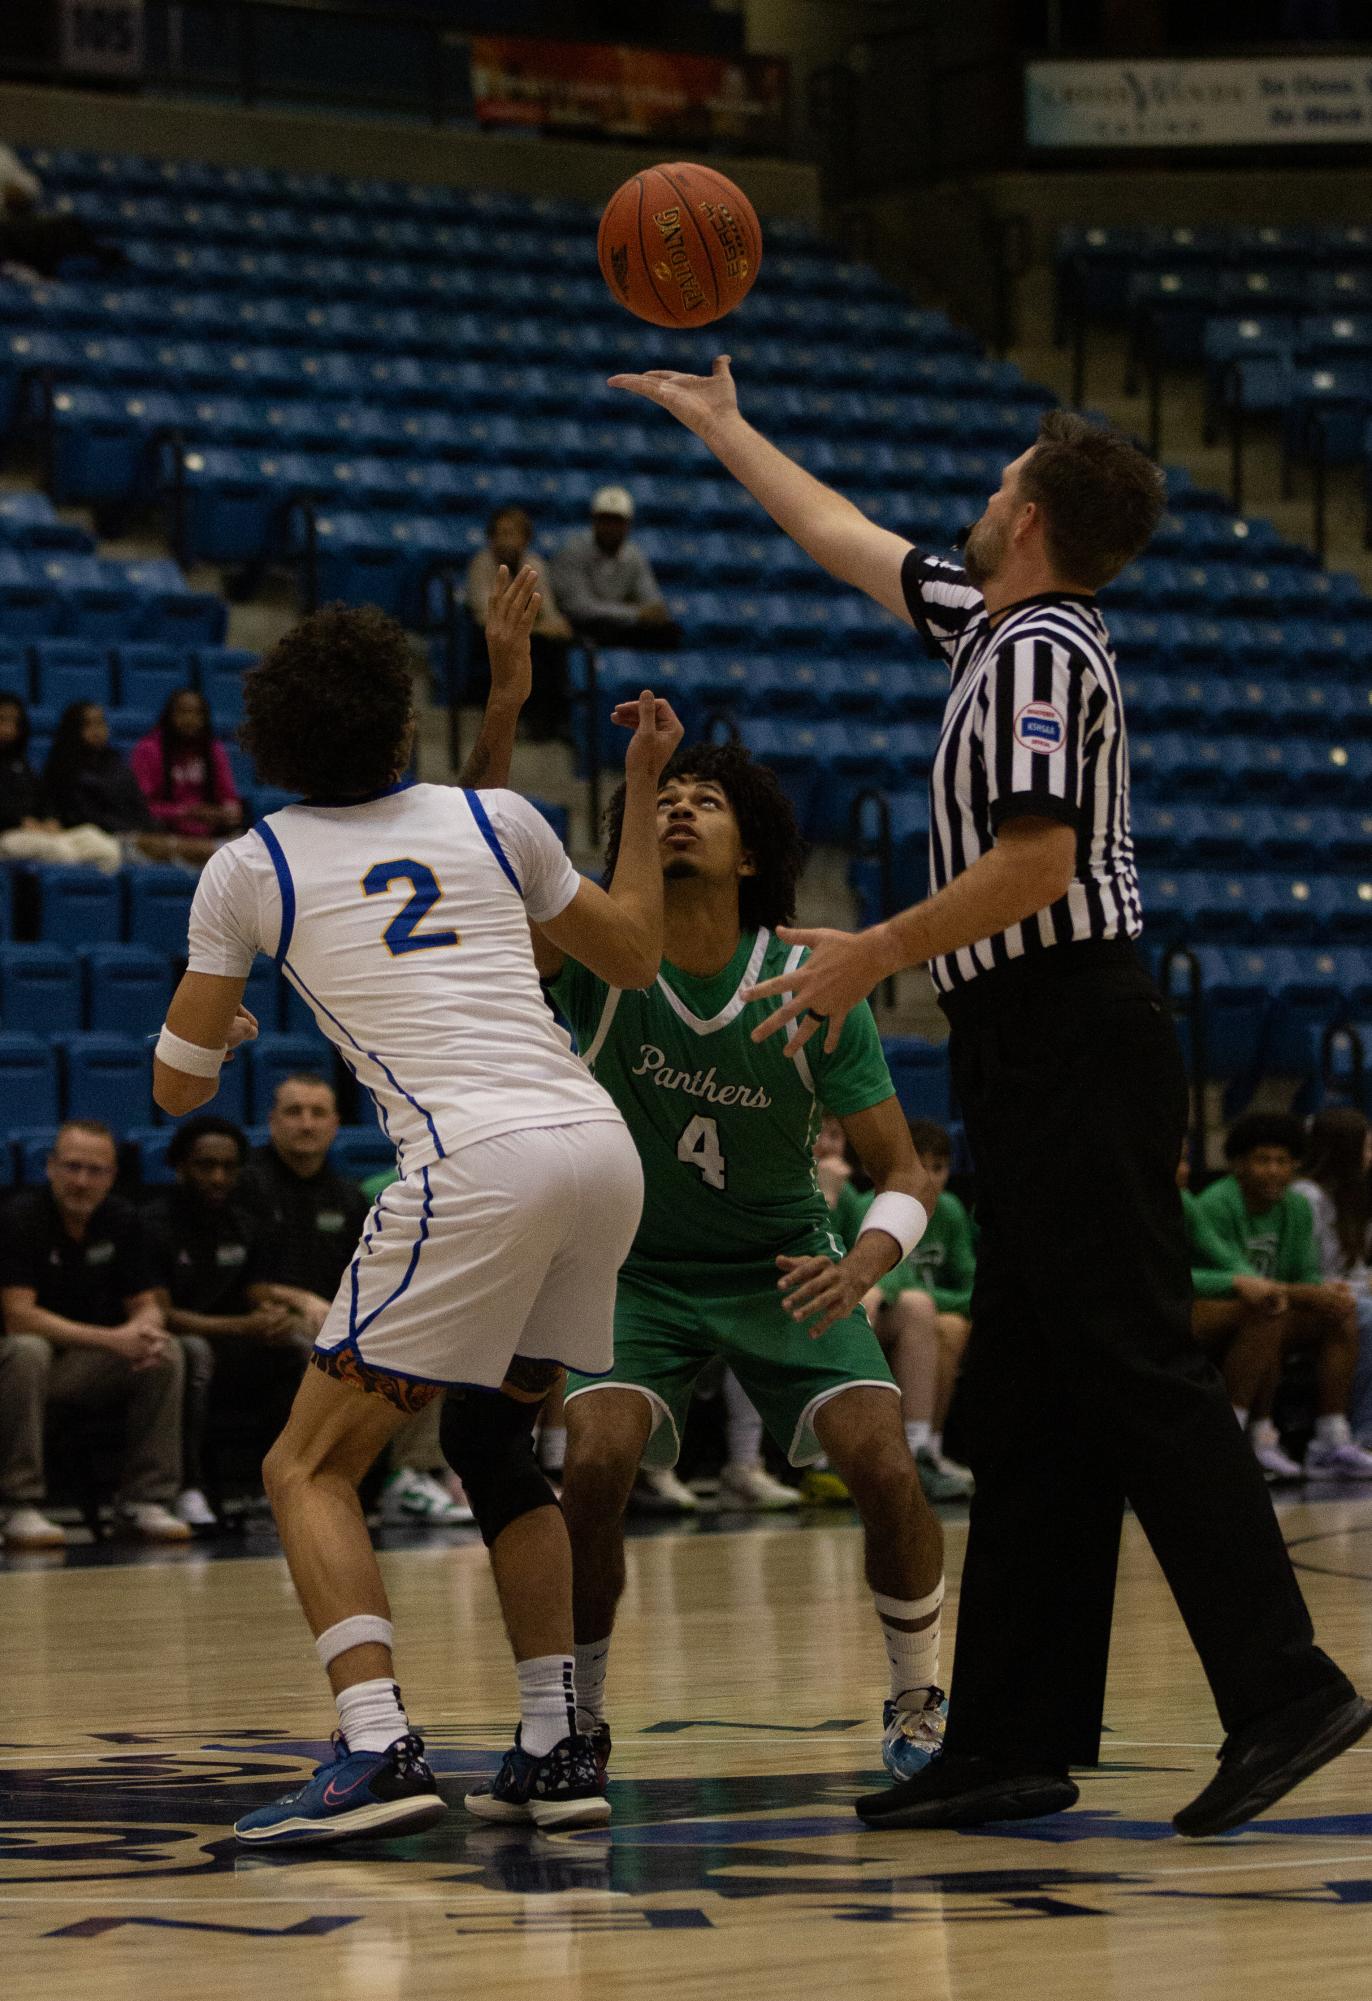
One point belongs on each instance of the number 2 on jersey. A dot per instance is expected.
(699, 1147)
(402, 934)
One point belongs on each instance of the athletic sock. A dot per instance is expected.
(1264, 1432)
(910, 1628)
(592, 1660)
(742, 1425)
(918, 1436)
(552, 1448)
(1241, 1413)
(371, 1715)
(936, 1443)
(547, 1702)
(1333, 1430)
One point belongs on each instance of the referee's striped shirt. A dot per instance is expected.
(1034, 725)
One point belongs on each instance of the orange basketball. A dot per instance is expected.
(679, 245)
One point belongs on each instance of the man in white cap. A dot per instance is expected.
(605, 583)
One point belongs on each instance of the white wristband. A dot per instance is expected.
(189, 1056)
(903, 1217)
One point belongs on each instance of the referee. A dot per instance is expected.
(1084, 1389)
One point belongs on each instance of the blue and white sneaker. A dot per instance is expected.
(563, 1788)
(910, 1737)
(360, 1793)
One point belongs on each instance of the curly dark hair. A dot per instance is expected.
(766, 825)
(330, 708)
(186, 1137)
(1257, 1129)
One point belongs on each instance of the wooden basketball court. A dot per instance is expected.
(149, 1702)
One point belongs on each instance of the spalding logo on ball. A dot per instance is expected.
(679, 245)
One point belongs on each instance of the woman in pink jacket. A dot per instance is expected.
(183, 772)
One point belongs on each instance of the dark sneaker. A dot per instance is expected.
(956, 1791)
(599, 1738)
(359, 1793)
(563, 1788)
(1262, 1763)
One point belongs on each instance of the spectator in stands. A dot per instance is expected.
(85, 780)
(605, 583)
(1338, 1156)
(184, 775)
(1257, 1226)
(208, 1255)
(25, 833)
(37, 240)
(313, 1218)
(83, 1329)
(1238, 1316)
(509, 541)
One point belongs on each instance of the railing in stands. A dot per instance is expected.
(1190, 1007)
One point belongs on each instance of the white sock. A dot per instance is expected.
(547, 1702)
(1264, 1431)
(918, 1436)
(936, 1443)
(1333, 1430)
(371, 1715)
(1241, 1413)
(910, 1628)
(742, 1425)
(592, 1660)
(552, 1448)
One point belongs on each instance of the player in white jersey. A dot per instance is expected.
(400, 912)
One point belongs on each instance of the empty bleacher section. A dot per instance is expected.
(342, 378)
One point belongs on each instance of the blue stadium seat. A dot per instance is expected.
(274, 1057)
(71, 670)
(221, 670)
(78, 906)
(1308, 991)
(127, 988)
(919, 1071)
(147, 1147)
(149, 675)
(159, 907)
(40, 990)
(16, 676)
(107, 1077)
(28, 1081)
(361, 1151)
(32, 1145)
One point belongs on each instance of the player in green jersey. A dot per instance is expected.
(736, 1254)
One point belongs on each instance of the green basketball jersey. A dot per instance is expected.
(724, 1125)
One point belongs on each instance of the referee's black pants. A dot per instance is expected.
(1083, 1385)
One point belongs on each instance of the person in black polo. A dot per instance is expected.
(312, 1217)
(83, 1329)
(1083, 1387)
(208, 1254)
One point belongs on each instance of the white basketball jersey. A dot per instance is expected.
(403, 921)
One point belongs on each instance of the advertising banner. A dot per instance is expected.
(1248, 101)
(598, 88)
(101, 37)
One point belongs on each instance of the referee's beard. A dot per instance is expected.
(984, 551)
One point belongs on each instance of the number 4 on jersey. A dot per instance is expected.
(699, 1147)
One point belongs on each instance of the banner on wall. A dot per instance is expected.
(599, 88)
(1247, 101)
(101, 37)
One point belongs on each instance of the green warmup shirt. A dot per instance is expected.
(725, 1126)
(1228, 1242)
(943, 1262)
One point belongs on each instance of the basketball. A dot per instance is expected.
(679, 245)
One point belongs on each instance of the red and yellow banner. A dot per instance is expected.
(597, 87)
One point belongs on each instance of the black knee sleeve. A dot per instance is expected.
(488, 1440)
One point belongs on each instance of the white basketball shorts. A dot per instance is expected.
(508, 1247)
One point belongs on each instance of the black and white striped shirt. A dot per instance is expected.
(1034, 725)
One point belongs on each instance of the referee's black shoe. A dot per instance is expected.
(954, 1790)
(1264, 1761)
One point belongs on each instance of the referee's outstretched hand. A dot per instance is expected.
(842, 969)
(697, 401)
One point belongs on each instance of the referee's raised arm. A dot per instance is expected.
(825, 525)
